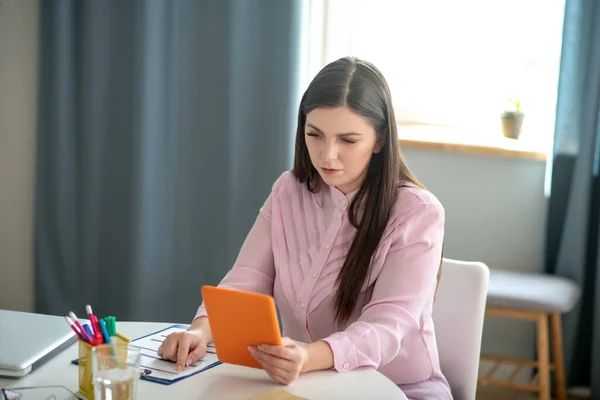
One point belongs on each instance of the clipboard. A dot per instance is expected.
(238, 320)
(158, 370)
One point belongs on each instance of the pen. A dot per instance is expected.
(86, 336)
(87, 329)
(75, 328)
(104, 331)
(95, 339)
(110, 325)
(107, 324)
(95, 328)
(98, 335)
(107, 321)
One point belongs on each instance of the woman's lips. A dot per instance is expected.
(330, 171)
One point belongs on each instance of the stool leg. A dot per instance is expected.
(557, 353)
(543, 356)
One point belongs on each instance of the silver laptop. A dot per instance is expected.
(28, 340)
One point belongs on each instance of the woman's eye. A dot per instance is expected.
(348, 141)
(312, 134)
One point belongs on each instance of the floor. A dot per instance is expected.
(504, 372)
(492, 393)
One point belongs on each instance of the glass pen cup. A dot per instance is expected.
(114, 371)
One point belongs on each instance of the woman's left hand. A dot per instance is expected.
(283, 363)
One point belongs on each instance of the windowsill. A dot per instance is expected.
(449, 140)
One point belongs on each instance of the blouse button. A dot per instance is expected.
(301, 305)
(314, 275)
(327, 246)
(344, 202)
(346, 365)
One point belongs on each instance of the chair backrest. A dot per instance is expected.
(458, 314)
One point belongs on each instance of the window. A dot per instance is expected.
(452, 64)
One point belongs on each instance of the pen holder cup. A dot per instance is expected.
(86, 387)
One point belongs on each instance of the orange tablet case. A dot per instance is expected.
(240, 319)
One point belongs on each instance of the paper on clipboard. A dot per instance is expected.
(163, 371)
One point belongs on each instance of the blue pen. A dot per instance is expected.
(104, 331)
(88, 330)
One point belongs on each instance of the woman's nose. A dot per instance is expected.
(331, 152)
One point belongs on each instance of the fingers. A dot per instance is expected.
(275, 361)
(287, 342)
(273, 368)
(182, 347)
(196, 353)
(283, 363)
(277, 374)
(277, 351)
(280, 379)
(169, 347)
(281, 370)
(183, 350)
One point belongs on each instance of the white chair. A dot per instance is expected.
(458, 314)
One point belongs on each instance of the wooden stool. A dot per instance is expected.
(534, 297)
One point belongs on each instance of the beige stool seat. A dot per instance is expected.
(535, 297)
(534, 292)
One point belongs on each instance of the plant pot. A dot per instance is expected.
(511, 125)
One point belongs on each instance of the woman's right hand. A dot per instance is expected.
(185, 348)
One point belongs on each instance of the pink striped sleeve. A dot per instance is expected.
(406, 282)
(254, 269)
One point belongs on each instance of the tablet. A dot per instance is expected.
(240, 319)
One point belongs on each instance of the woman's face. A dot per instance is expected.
(340, 143)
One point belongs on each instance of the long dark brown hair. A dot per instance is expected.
(357, 84)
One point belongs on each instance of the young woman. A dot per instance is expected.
(348, 243)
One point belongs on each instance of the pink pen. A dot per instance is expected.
(95, 328)
(85, 335)
(74, 327)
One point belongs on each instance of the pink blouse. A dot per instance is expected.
(294, 252)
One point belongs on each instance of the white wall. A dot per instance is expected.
(495, 213)
(18, 88)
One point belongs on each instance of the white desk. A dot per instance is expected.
(224, 381)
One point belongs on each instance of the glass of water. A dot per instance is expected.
(116, 371)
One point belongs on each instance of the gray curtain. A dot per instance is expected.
(574, 209)
(162, 126)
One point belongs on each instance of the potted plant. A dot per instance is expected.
(512, 119)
